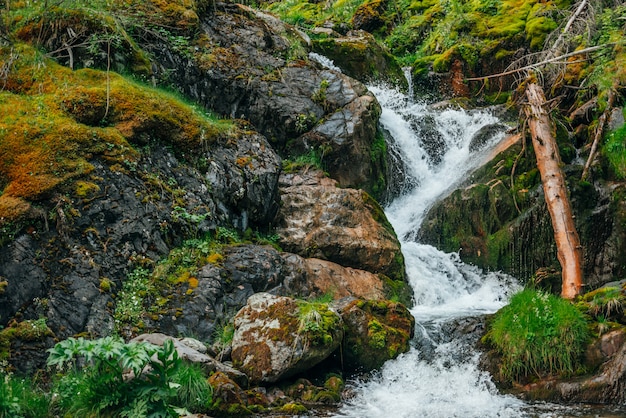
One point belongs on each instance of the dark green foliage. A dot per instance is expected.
(615, 152)
(194, 392)
(20, 398)
(117, 379)
(537, 334)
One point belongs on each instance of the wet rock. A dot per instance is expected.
(277, 337)
(345, 141)
(358, 54)
(344, 226)
(375, 331)
(485, 134)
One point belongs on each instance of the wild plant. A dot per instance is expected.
(110, 377)
(538, 333)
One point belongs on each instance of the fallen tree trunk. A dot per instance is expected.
(569, 250)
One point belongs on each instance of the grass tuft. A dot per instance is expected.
(538, 334)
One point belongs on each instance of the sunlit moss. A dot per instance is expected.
(54, 120)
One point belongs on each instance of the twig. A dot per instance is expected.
(555, 46)
(106, 112)
(538, 64)
(598, 135)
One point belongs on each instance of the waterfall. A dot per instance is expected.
(439, 376)
(433, 150)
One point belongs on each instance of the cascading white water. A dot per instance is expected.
(438, 377)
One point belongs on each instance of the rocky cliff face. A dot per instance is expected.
(510, 229)
(152, 215)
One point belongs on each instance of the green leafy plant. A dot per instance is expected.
(538, 333)
(118, 379)
(129, 308)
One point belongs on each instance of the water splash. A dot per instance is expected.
(439, 376)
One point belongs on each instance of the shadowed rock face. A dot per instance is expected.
(255, 67)
(58, 272)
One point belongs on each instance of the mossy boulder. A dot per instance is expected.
(376, 331)
(277, 337)
(359, 55)
(229, 399)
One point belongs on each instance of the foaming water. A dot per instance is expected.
(439, 376)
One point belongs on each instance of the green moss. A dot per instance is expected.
(615, 152)
(28, 330)
(317, 322)
(54, 120)
(293, 408)
(86, 189)
(377, 334)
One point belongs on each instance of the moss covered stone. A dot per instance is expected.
(376, 331)
(277, 337)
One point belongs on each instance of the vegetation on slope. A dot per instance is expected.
(54, 120)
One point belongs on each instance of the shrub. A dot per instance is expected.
(118, 379)
(538, 333)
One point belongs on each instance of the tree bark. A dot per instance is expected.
(569, 250)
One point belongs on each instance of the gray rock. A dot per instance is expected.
(277, 337)
(192, 355)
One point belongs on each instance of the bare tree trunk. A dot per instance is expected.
(569, 250)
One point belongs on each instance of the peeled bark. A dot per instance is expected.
(569, 250)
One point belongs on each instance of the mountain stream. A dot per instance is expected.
(439, 376)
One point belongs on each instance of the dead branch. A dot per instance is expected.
(541, 63)
(598, 133)
(519, 156)
(556, 46)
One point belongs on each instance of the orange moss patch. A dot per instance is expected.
(54, 120)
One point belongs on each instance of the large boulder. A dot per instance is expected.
(345, 226)
(277, 337)
(222, 288)
(317, 278)
(248, 64)
(375, 331)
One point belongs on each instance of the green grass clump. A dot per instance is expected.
(20, 398)
(615, 151)
(538, 333)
